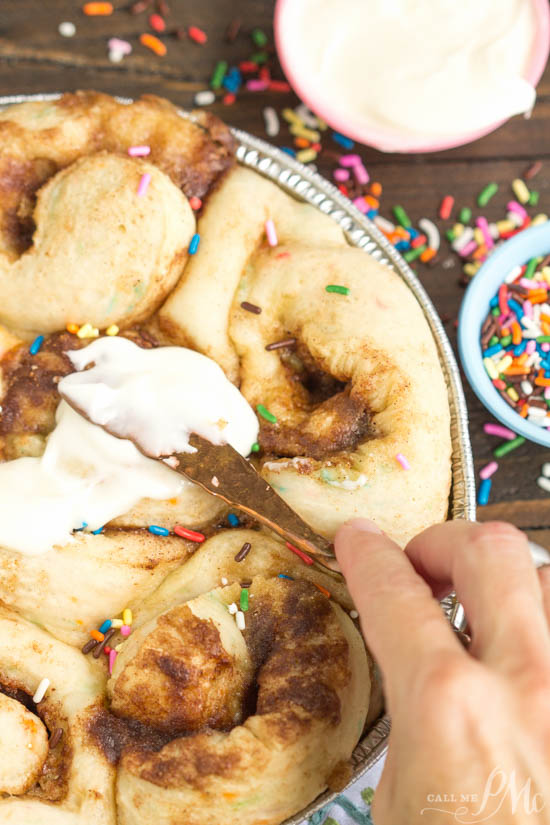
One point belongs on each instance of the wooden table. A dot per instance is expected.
(35, 58)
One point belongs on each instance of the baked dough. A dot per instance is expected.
(38, 138)
(78, 244)
(364, 385)
(102, 253)
(71, 589)
(312, 700)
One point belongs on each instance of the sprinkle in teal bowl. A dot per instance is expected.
(507, 361)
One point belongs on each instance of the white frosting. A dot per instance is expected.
(87, 475)
(413, 67)
(159, 396)
(84, 476)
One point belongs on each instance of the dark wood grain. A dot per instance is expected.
(35, 58)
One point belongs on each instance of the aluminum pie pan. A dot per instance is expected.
(307, 185)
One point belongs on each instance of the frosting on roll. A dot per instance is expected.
(29, 402)
(88, 477)
(158, 397)
(85, 477)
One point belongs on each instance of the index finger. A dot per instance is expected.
(403, 624)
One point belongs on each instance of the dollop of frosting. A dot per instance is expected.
(86, 476)
(158, 397)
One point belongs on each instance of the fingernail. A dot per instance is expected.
(365, 525)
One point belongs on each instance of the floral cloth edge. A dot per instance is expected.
(353, 807)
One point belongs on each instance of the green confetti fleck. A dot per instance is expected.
(367, 795)
(218, 74)
(413, 254)
(112, 303)
(531, 268)
(255, 448)
(401, 217)
(259, 38)
(243, 803)
(341, 290)
(264, 412)
(244, 600)
(487, 193)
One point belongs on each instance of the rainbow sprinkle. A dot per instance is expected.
(264, 412)
(337, 288)
(36, 344)
(158, 531)
(139, 151)
(271, 233)
(403, 461)
(144, 184)
(194, 244)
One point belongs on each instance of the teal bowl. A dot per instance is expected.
(516, 251)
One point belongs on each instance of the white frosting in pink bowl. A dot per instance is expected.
(414, 75)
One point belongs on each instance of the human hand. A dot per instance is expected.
(470, 737)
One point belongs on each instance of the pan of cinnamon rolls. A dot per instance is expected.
(164, 659)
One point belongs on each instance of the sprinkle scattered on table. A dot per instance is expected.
(97, 9)
(67, 29)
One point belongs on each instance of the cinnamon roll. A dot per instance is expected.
(355, 396)
(260, 720)
(52, 770)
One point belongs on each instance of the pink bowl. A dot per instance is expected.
(390, 141)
